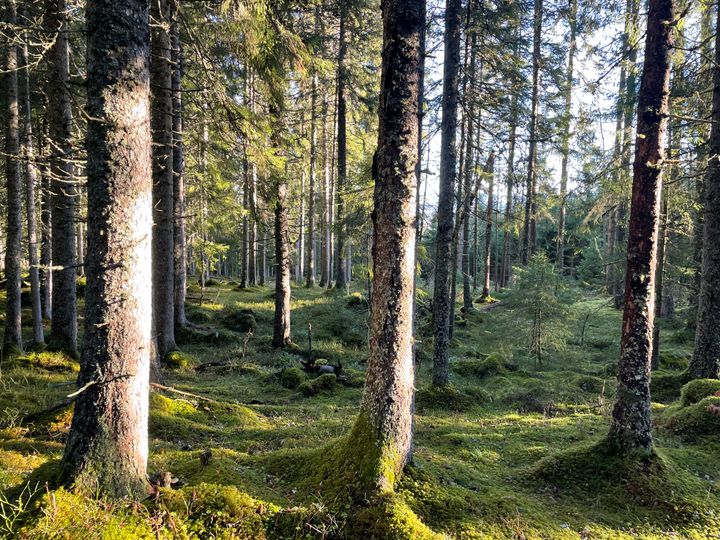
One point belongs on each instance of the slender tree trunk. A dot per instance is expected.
(28, 154)
(12, 341)
(163, 176)
(631, 426)
(244, 250)
(705, 362)
(442, 306)
(566, 121)
(64, 190)
(107, 446)
(327, 202)
(510, 183)
(490, 172)
(80, 243)
(252, 231)
(385, 423)
(46, 235)
(263, 257)
(281, 325)
(180, 264)
(341, 150)
(529, 237)
(659, 274)
(310, 263)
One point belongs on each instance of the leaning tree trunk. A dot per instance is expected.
(631, 426)
(178, 160)
(705, 362)
(490, 172)
(64, 189)
(107, 446)
(12, 341)
(529, 224)
(442, 305)
(163, 176)
(28, 154)
(381, 440)
(566, 120)
(340, 226)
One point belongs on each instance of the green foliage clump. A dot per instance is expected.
(81, 285)
(357, 300)
(591, 384)
(198, 315)
(292, 377)
(177, 360)
(665, 386)
(239, 320)
(48, 360)
(698, 389)
(672, 360)
(693, 422)
(446, 397)
(353, 378)
(327, 382)
(494, 364)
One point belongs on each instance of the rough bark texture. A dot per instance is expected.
(281, 325)
(107, 446)
(442, 304)
(252, 229)
(630, 428)
(340, 273)
(310, 244)
(326, 243)
(46, 243)
(28, 155)
(163, 177)
(490, 172)
(529, 237)
(12, 340)
(706, 358)
(659, 274)
(385, 419)
(180, 266)
(244, 248)
(510, 184)
(64, 190)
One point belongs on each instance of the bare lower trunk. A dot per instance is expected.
(310, 244)
(510, 183)
(631, 426)
(490, 172)
(659, 274)
(281, 326)
(442, 305)
(12, 341)
(46, 243)
(340, 272)
(107, 446)
(63, 186)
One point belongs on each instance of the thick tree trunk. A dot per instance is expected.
(180, 265)
(442, 305)
(12, 341)
(566, 121)
(163, 177)
(28, 154)
(383, 433)
(631, 426)
(529, 236)
(340, 227)
(705, 362)
(490, 172)
(107, 446)
(64, 189)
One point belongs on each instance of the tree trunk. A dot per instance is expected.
(659, 273)
(180, 265)
(442, 305)
(490, 172)
(46, 235)
(529, 236)
(510, 183)
(281, 325)
(244, 249)
(631, 426)
(310, 244)
(326, 242)
(341, 150)
(383, 433)
(252, 231)
(163, 177)
(28, 154)
(705, 362)
(64, 189)
(107, 446)
(566, 121)
(12, 341)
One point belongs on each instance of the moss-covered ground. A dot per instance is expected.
(513, 450)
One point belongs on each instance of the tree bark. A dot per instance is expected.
(631, 426)
(46, 234)
(705, 362)
(385, 424)
(12, 341)
(163, 176)
(107, 446)
(310, 244)
(340, 224)
(442, 305)
(281, 325)
(659, 274)
(510, 184)
(64, 189)
(490, 172)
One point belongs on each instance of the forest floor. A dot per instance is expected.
(485, 462)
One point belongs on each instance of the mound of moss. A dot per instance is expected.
(389, 518)
(47, 360)
(218, 336)
(666, 386)
(446, 397)
(177, 360)
(493, 364)
(698, 389)
(590, 384)
(673, 360)
(693, 422)
(292, 377)
(198, 315)
(357, 300)
(352, 378)
(325, 383)
(239, 320)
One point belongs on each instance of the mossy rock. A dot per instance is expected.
(47, 360)
(292, 377)
(446, 397)
(695, 422)
(326, 382)
(240, 320)
(357, 301)
(177, 360)
(666, 386)
(698, 389)
(494, 364)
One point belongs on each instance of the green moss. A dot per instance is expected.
(292, 378)
(357, 300)
(588, 383)
(354, 378)
(326, 382)
(446, 397)
(389, 518)
(674, 360)
(694, 422)
(48, 360)
(494, 364)
(177, 360)
(698, 389)
(666, 386)
(239, 320)
(81, 285)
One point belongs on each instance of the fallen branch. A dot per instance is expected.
(182, 393)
